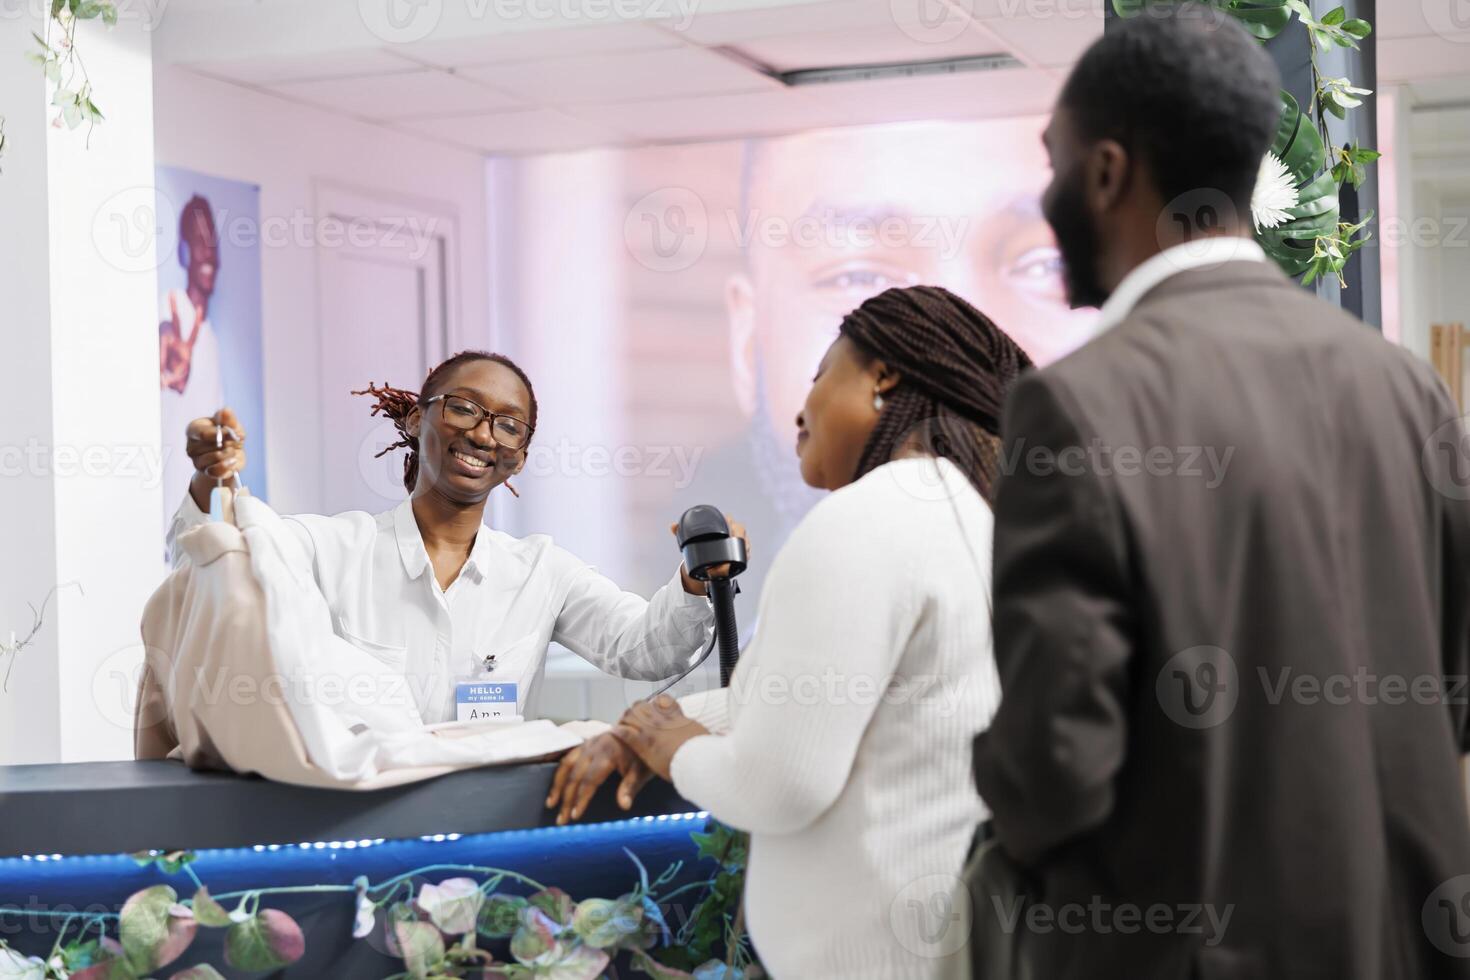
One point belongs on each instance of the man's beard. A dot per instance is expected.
(1077, 240)
(776, 464)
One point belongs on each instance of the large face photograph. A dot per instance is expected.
(738, 261)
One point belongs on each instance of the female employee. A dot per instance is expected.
(429, 590)
(846, 753)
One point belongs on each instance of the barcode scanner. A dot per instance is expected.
(706, 543)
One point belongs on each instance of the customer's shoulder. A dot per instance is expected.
(897, 502)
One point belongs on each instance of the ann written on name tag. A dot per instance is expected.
(485, 701)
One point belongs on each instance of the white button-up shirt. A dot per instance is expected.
(1200, 254)
(513, 597)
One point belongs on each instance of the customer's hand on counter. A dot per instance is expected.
(655, 730)
(587, 767)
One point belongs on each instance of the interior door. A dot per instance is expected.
(385, 314)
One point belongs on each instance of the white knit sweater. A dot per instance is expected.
(851, 718)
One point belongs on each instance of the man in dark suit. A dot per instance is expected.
(1232, 574)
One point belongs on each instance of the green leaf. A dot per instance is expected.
(267, 941)
(1129, 8)
(602, 922)
(173, 862)
(556, 903)
(1293, 244)
(422, 946)
(1264, 19)
(57, 6)
(208, 912)
(580, 963)
(14, 966)
(1358, 28)
(1298, 144)
(500, 916)
(201, 972)
(536, 936)
(647, 964)
(1334, 16)
(152, 934)
(453, 905)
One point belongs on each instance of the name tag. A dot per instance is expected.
(483, 700)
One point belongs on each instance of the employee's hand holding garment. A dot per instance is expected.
(464, 611)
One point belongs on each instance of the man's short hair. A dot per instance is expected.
(1186, 89)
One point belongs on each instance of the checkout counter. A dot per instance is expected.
(67, 832)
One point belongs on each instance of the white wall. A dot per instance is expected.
(287, 149)
(80, 413)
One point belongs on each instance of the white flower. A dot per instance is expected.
(1275, 194)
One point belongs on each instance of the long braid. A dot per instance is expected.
(397, 404)
(954, 367)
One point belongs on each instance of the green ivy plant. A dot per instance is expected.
(1314, 242)
(59, 58)
(438, 932)
(71, 94)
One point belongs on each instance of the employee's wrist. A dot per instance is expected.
(200, 486)
(692, 585)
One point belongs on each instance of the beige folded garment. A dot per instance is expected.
(243, 672)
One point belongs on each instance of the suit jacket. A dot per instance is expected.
(1231, 561)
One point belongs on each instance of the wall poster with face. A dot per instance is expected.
(209, 317)
(737, 262)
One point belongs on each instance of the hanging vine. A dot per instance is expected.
(71, 94)
(1297, 210)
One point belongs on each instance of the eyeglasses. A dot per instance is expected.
(465, 415)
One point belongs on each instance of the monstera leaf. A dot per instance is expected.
(1292, 244)
(1299, 146)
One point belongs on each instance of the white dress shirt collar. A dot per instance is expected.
(1168, 263)
(416, 557)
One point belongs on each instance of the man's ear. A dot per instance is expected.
(411, 424)
(1107, 172)
(740, 308)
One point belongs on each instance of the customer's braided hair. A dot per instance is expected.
(954, 367)
(396, 404)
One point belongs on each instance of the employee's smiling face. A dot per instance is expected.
(466, 464)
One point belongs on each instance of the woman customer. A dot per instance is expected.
(851, 714)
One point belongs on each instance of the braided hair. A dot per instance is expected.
(954, 367)
(397, 404)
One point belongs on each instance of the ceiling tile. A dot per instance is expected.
(523, 131)
(336, 64)
(1058, 39)
(715, 117)
(403, 95)
(731, 27)
(864, 46)
(968, 95)
(532, 45)
(623, 77)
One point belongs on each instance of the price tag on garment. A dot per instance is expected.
(483, 700)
